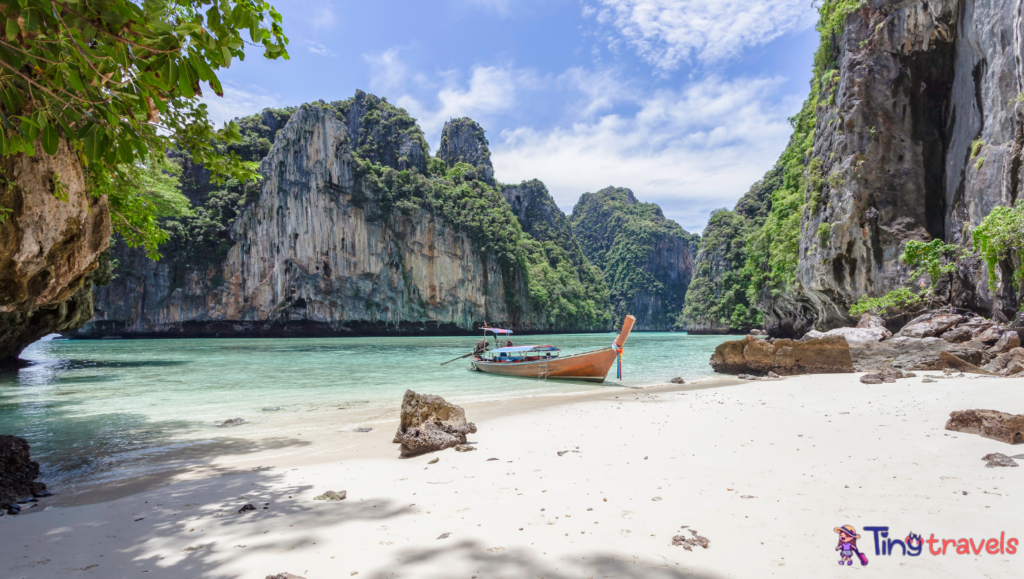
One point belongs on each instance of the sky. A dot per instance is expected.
(683, 101)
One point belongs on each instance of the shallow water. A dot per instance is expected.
(103, 411)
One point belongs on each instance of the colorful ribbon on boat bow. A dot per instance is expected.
(618, 360)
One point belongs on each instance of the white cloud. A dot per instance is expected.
(317, 48)
(387, 71)
(601, 89)
(690, 151)
(322, 17)
(491, 90)
(666, 33)
(236, 102)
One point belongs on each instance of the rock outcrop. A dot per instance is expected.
(317, 251)
(909, 354)
(647, 259)
(1008, 428)
(463, 141)
(18, 472)
(429, 423)
(913, 131)
(830, 355)
(48, 247)
(353, 230)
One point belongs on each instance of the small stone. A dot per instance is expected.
(655, 499)
(246, 508)
(998, 459)
(443, 536)
(331, 496)
(363, 429)
(231, 422)
(677, 380)
(747, 497)
(272, 409)
(773, 374)
(435, 461)
(965, 493)
(190, 549)
(284, 576)
(927, 381)
(873, 379)
(465, 448)
(490, 459)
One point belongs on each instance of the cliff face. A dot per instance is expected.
(48, 247)
(318, 252)
(718, 300)
(917, 83)
(912, 131)
(647, 259)
(463, 141)
(580, 295)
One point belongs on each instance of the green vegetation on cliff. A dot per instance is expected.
(746, 256)
(624, 237)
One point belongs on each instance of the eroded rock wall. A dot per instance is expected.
(48, 247)
(892, 161)
(311, 256)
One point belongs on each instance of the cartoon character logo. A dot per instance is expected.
(847, 546)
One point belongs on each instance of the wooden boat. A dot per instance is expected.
(545, 361)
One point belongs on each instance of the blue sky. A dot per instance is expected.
(683, 101)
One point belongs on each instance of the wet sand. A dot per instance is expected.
(765, 470)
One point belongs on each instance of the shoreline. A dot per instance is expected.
(347, 444)
(765, 470)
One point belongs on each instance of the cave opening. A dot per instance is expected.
(929, 85)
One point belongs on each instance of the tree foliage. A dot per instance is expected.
(121, 81)
(1000, 236)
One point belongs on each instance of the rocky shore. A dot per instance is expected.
(948, 338)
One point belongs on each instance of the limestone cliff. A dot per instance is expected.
(916, 84)
(647, 259)
(354, 230)
(314, 253)
(913, 131)
(48, 247)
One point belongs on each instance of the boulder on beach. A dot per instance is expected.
(829, 355)
(909, 354)
(929, 325)
(331, 496)
(870, 321)
(958, 335)
(429, 423)
(1007, 364)
(18, 472)
(852, 335)
(1008, 341)
(956, 363)
(1008, 428)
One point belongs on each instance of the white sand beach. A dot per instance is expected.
(765, 470)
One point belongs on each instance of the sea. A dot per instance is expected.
(97, 412)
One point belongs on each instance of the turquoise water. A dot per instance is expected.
(109, 410)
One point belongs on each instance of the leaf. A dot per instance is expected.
(50, 139)
(12, 29)
(91, 140)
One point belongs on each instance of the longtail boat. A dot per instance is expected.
(545, 361)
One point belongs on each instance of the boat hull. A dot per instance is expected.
(589, 366)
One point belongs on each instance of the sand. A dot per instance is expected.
(764, 470)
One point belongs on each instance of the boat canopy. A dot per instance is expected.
(514, 349)
(497, 330)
